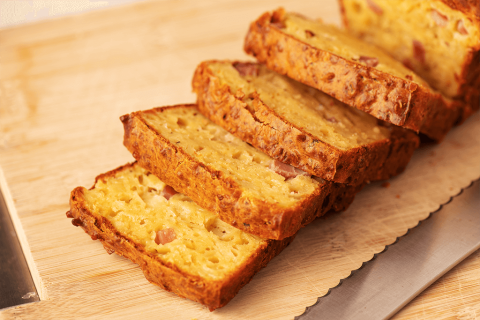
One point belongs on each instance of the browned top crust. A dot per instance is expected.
(398, 101)
(219, 193)
(213, 294)
(291, 144)
(470, 8)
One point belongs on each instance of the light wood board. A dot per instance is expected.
(64, 84)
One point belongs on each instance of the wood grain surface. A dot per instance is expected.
(63, 85)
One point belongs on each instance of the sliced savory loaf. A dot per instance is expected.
(225, 175)
(299, 125)
(179, 246)
(438, 39)
(355, 72)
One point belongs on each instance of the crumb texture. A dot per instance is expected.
(210, 144)
(336, 41)
(203, 245)
(306, 108)
(353, 71)
(438, 54)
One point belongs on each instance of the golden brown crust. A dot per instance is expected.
(398, 101)
(214, 191)
(282, 140)
(403, 144)
(470, 8)
(468, 96)
(448, 116)
(213, 294)
(470, 88)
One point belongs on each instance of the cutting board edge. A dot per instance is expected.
(22, 237)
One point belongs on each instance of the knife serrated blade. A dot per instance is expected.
(383, 285)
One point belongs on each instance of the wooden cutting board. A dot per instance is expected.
(63, 85)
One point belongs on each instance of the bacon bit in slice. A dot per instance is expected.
(374, 7)
(407, 64)
(309, 34)
(246, 68)
(168, 192)
(285, 170)
(419, 51)
(369, 61)
(440, 19)
(461, 27)
(332, 120)
(69, 214)
(409, 77)
(165, 236)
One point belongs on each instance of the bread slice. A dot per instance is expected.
(352, 71)
(438, 39)
(179, 246)
(299, 125)
(245, 187)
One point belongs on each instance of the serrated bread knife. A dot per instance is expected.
(383, 285)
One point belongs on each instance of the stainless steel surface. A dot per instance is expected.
(388, 282)
(16, 284)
